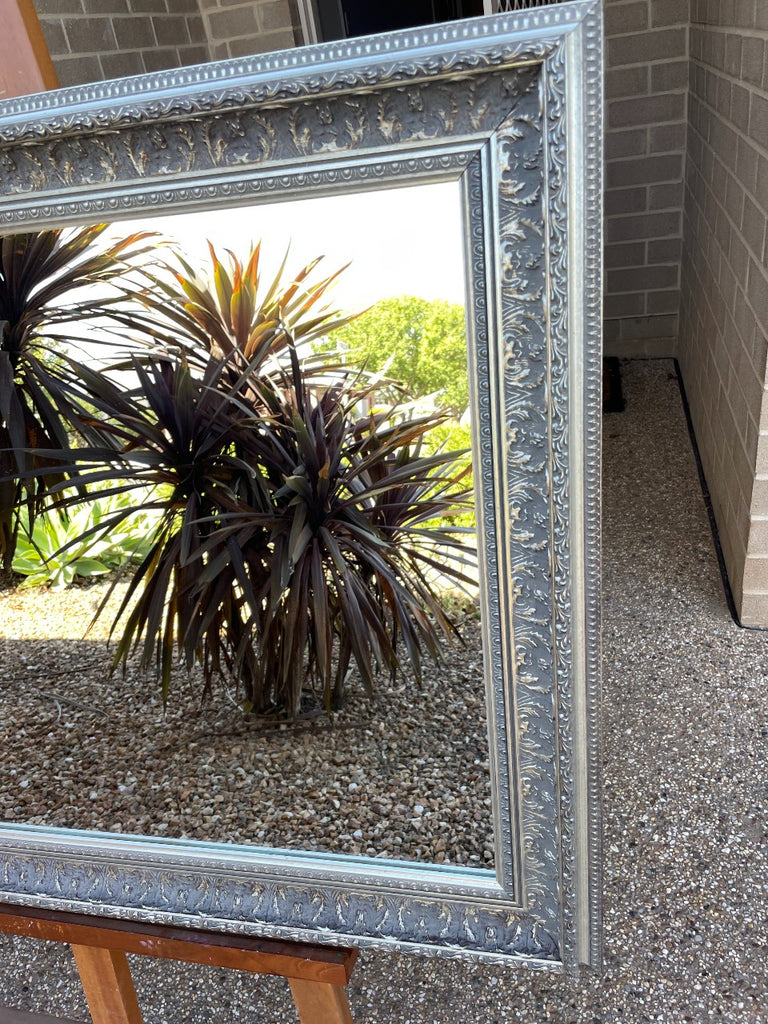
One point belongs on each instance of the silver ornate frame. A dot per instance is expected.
(511, 107)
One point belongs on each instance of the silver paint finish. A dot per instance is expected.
(511, 106)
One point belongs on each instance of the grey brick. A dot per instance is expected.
(669, 12)
(746, 164)
(196, 30)
(733, 44)
(611, 331)
(196, 54)
(626, 18)
(104, 7)
(650, 327)
(170, 31)
(150, 6)
(667, 301)
(660, 44)
(263, 42)
(632, 81)
(734, 200)
(161, 59)
(757, 291)
(744, 13)
(740, 107)
(78, 70)
(710, 83)
(274, 16)
(722, 101)
(123, 65)
(665, 197)
(625, 254)
(725, 142)
(752, 60)
(625, 200)
(633, 142)
(645, 225)
(758, 119)
(665, 250)
(620, 306)
(233, 23)
(134, 34)
(761, 187)
(646, 110)
(739, 258)
(761, 17)
(669, 76)
(643, 279)
(667, 138)
(716, 50)
(644, 170)
(58, 7)
(90, 35)
(723, 230)
(753, 227)
(55, 38)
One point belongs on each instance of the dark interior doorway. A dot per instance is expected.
(343, 19)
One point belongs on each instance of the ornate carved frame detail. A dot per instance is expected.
(511, 107)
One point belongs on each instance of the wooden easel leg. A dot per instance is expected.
(320, 1003)
(108, 985)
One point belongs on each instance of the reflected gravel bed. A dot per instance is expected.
(403, 774)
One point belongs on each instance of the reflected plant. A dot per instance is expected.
(88, 541)
(46, 288)
(300, 528)
(340, 568)
(233, 310)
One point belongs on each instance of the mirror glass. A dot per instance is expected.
(403, 774)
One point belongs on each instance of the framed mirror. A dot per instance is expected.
(505, 112)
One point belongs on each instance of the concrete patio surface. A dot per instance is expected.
(685, 753)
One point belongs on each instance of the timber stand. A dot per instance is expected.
(317, 975)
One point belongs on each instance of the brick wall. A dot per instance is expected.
(93, 40)
(723, 339)
(646, 85)
(237, 28)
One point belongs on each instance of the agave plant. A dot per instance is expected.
(88, 540)
(46, 287)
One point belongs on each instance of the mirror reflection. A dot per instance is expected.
(343, 710)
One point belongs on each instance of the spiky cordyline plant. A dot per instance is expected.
(352, 568)
(298, 535)
(232, 310)
(46, 280)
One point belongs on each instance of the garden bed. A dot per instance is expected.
(404, 774)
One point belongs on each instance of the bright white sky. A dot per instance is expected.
(400, 241)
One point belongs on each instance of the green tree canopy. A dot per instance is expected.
(421, 343)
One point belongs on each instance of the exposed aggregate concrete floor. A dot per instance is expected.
(685, 723)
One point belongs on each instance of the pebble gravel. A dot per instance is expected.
(685, 722)
(403, 774)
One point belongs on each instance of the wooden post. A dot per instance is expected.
(108, 985)
(25, 63)
(320, 1004)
